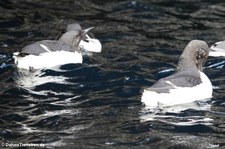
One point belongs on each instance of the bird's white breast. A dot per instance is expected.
(47, 59)
(179, 95)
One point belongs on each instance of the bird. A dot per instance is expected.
(50, 53)
(187, 84)
(218, 49)
(87, 44)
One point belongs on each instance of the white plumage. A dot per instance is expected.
(47, 59)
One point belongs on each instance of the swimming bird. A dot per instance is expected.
(86, 44)
(218, 49)
(51, 53)
(187, 84)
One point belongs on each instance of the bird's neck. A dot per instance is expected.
(187, 64)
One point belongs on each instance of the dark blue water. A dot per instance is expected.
(97, 104)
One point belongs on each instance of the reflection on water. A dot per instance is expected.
(97, 104)
(176, 115)
(28, 79)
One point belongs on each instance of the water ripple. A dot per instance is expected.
(97, 104)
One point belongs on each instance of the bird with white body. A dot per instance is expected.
(188, 83)
(51, 53)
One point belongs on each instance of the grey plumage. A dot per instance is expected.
(52, 45)
(72, 38)
(194, 56)
(180, 79)
(73, 26)
(69, 41)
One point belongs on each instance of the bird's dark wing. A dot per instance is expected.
(179, 80)
(57, 46)
(46, 46)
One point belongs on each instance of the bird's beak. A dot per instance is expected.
(218, 49)
(83, 33)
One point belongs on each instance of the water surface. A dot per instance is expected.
(97, 104)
